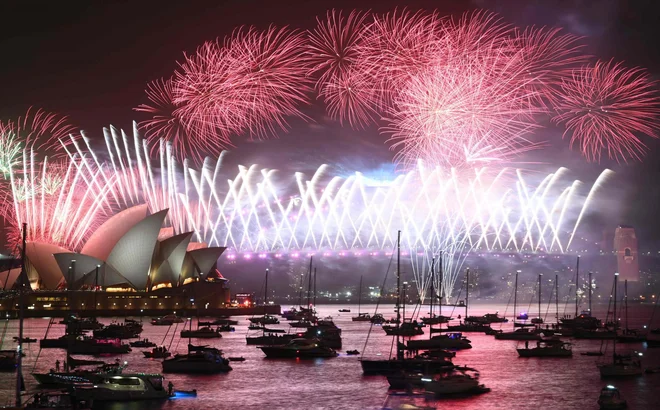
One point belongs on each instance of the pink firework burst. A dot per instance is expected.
(606, 108)
(168, 125)
(333, 54)
(38, 130)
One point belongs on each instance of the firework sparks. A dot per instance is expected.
(606, 107)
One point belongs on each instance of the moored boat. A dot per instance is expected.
(299, 348)
(610, 399)
(202, 333)
(124, 387)
(200, 359)
(547, 348)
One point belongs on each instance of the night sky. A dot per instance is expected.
(92, 60)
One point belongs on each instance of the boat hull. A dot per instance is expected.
(617, 370)
(177, 365)
(544, 353)
(394, 366)
(288, 353)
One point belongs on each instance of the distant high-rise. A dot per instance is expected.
(625, 246)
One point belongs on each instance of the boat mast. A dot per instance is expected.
(515, 299)
(399, 351)
(590, 290)
(360, 295)
(577, 288)
(266, 292)
(557, 298)
(21, 285)
(432, 296)
(309, 283)
(440, 290)
(315, 287)
(625, 299)
(540, 276)
(616, 277)
(467, 290)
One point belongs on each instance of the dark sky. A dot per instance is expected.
(91, 60)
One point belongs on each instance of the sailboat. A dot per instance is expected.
(470, 325)
(398, 364)
(269, 337)
(522, 333)
(408, 327)
(622, 365)
(628, 335)
(538, 320)
(361, 317)
(433, 319)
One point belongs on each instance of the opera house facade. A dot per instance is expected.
(129, 266)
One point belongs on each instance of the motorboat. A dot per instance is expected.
(120, 330)
(436, 353)
(352, 352)
(407, 328)
(97, 346)
(344, 310)
(453, 340)
(265, 320)
(57, 379)
(168, 320)
(362, 317)
(610, 399)
(226, 328)
(301, 324)
(597, 334)
(57, 400)
(202, 333)
(457, 382)
(436, 319)
(160, 352)
(123, 387)
(74, 322)
(200, 359)
(8, 360)
(487, 318)
(386, 367)
(327, 332)
(519, 334)
(73, 362)
(270, 339)
(142, 343)
(224, 321)
(547, 348)
(299, 348)
(630, 336)
(471, 327)
(583, 321)
(378, 319)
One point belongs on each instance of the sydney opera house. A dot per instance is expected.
(129, 266)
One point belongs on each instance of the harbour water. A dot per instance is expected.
(338, 383)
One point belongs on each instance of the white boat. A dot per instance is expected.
(124, 387)
(457, 382)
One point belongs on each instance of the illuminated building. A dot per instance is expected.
(625, 246)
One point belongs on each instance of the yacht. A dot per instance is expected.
(327, 332)
(299, 348)
(200, 359)
(487, 318)
(124, 387)
(445, 341)
(378, 319)
(54, 379)
(519, 334)
(168, 320)
(610, 399)
(96, 346)
(362, 317)
(142, 343)
(547, 348)
(74, 322)
(270, 339)
(57, 400)
(129, 330)
(344, 310)
(471, 327)
(436, 319)
(407, 328)
(265, 320)
(160, 352)
(202, 333)
(458, 382)
(621, 366)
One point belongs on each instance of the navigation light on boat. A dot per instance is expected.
(424, 379)
(641, 354)
(609, 386)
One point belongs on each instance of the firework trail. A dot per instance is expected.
(606, 107)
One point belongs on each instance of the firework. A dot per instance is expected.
(606, 108)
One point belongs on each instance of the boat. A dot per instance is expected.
(301, 324)
(8, 360)
(236, 359)
(652, 370)
(538, 320)
(547, 348)
(223, 321)
(610, 399)
(487, 318)
(25, 339)
(395, 365)
(629, 335)
(69, 378)
(344, 310)
(377, 319)
(522, 333)
(299, 348)
(123, 387)
(518, 334)
(270, 339)
(265, 320)
(157, 353)
(436, 353)
(326, 332)
(97, 346)
(456, 382)
(452, 340)
(621, 365)
(199, 360)
(119, 330)
(74, 322)
(594, 334)
(432, 318)
(361, 317)
(407, 328)
(142, 343)
(470, 327)
(73, 362)
(57, 400)
(168, 320)
(352, 352)
(202, 333)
